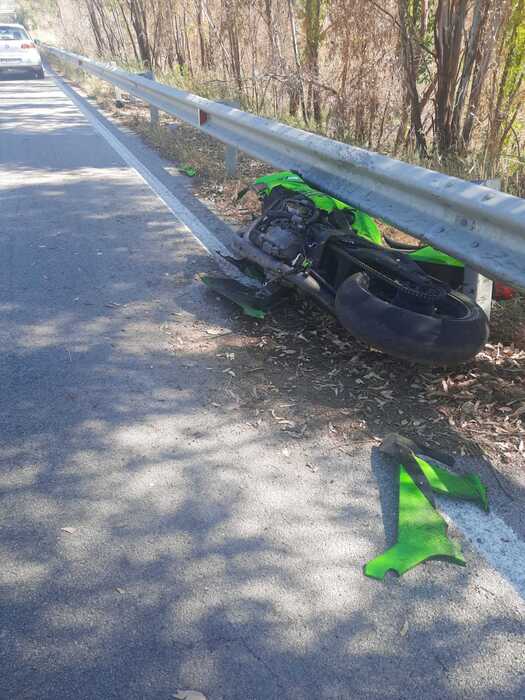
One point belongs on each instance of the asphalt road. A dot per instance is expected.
(150, 539)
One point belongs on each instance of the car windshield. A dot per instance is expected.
(12, 34)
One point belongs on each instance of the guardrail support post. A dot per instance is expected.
(231, 160)
(477, 286)
(231, 154)
(119, 102)
(153, 111)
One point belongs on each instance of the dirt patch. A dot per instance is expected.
(299, 373)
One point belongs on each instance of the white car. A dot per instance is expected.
(18, 51)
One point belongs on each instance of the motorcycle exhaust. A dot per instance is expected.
(283, 272)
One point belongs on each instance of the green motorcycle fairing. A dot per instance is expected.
(427, 254)
(363, 225)
(422, 531)
(421, 534)
(468, 487)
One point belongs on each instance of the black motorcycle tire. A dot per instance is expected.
(407, 334)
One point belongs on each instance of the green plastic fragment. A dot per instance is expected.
(188, 170)
(237, 293)
(431, 255)
(469, 487)
(250, 311)
(422, 534)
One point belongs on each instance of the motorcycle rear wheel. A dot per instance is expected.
(454, 333)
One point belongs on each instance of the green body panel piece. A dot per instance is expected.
(363, 224)
(188, 170)
(468, 488)
(244, 297)
(252, 312)
(422, 534)
(430, 255)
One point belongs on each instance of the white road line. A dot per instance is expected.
(497, 543)
(491, 537)
(191, 223)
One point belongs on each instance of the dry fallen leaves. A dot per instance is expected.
(218, 331)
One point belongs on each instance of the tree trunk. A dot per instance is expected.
(202, 38)
(448, 37)
(296, 88)
(411, 58)
(312, 33)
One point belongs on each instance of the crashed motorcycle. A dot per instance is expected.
(401, 299)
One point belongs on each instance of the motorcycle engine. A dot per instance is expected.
(276, 240)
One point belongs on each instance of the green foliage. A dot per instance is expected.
(514, 48)
(350, 81)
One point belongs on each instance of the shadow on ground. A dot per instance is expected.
(154, 534)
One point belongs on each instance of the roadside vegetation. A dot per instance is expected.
(440, 82)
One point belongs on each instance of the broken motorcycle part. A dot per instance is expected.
(254, 301)
(420, 462)
(468, 487)
(421, 534)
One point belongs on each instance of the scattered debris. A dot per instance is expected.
(69, 530)
(422, 532)
(218, 331)
(248, 298)
(188, 170)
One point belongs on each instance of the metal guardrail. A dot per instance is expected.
(480, 226)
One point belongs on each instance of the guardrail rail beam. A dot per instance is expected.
(483, 228)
